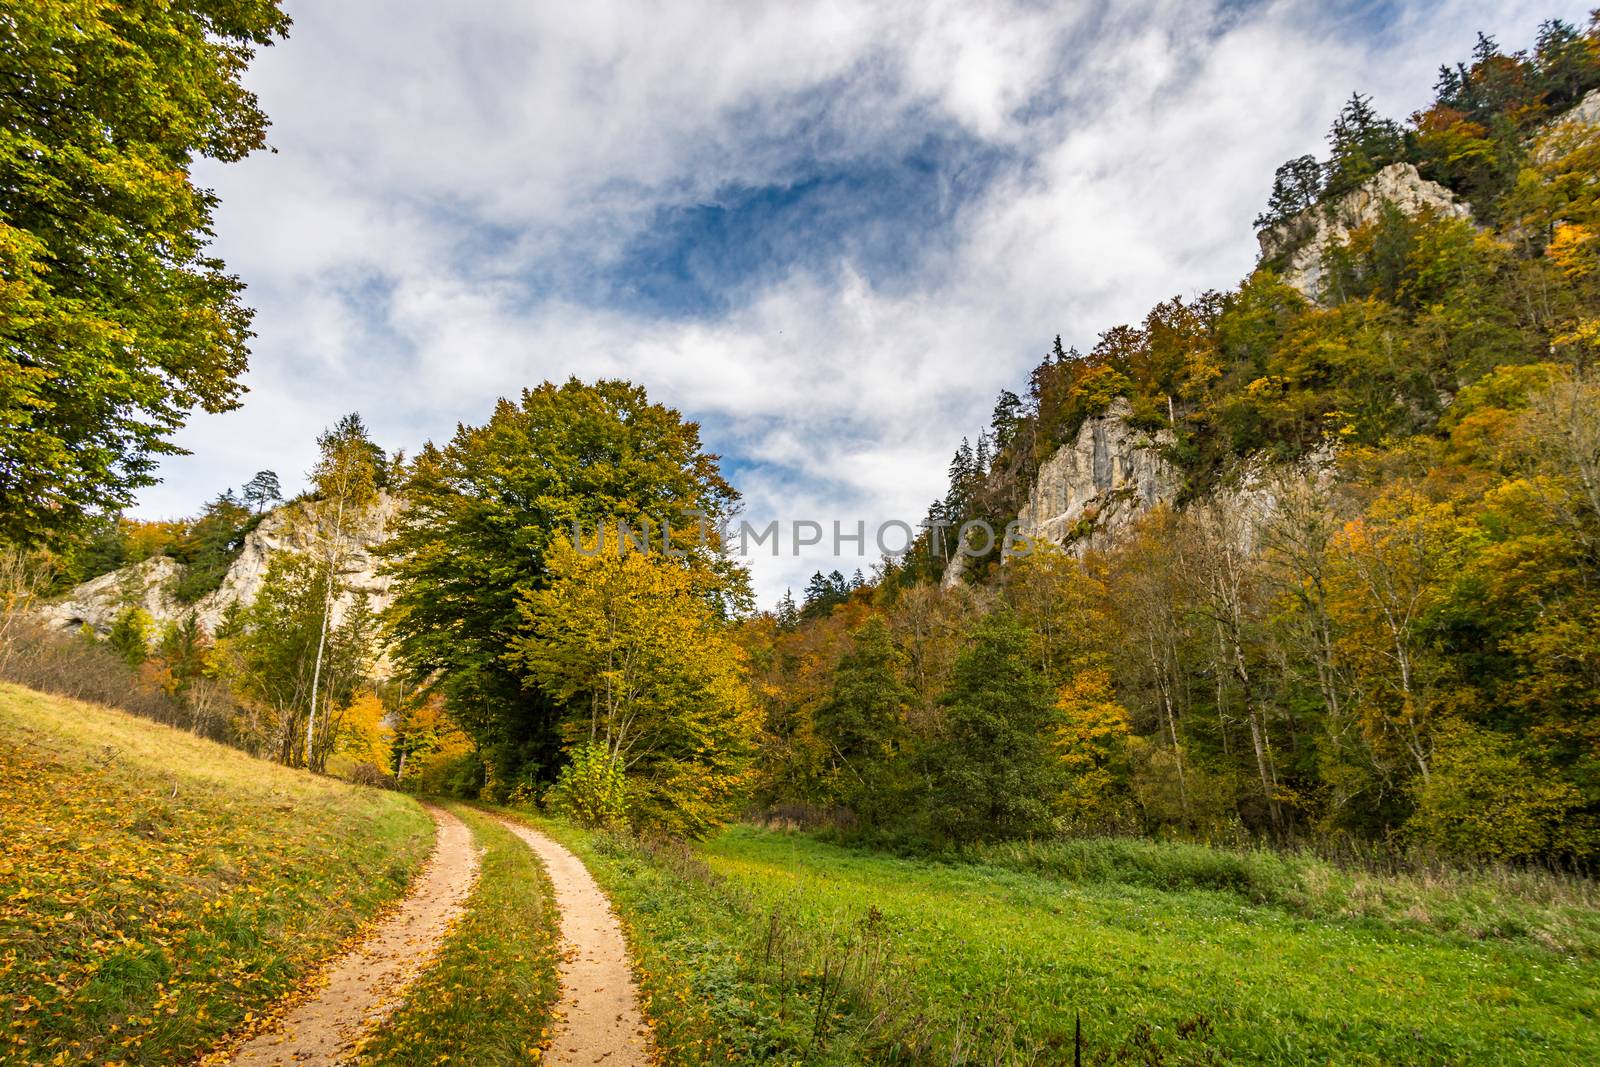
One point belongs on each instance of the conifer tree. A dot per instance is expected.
(1295, 188)
(994, 775)
(863, 721)
(262, 491)
(788, 615)
(1363, 143)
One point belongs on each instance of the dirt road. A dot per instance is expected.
(366, 984)
(601, 1021)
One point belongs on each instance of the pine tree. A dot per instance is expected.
(962, 466)
(1007, 414)
(788, 615)
(1363, 143)
(838, 587)
(262, 490)
(1295, 188)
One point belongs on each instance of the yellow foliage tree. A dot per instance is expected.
(1092, 740)
(630, 644)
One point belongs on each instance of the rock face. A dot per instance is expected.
(291, 528)
(1308, 236)
(1576, 123)
(1091, 490)
(1586, 111)
(97, 602)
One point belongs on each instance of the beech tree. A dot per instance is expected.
(115, 320)
(482, 513)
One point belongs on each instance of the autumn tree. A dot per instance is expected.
(115, 319)
(560, 457)
(268, 652)
(1091, 740)
(345, 480)
(631, 647)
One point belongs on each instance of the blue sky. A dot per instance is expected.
(831, 233)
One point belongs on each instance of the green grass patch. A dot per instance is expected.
(1554, 911)
(157, 890)
(762, 947)
(487, 998)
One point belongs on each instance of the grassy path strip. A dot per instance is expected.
(360, 988)
(487, 998)
(600, 1017)
(158, 891)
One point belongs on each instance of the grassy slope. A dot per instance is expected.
(488, 997)
(157, 890)
(778, 946)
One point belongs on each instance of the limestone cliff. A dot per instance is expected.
(1092, 489)
(294, 527)
(1301, 242)
(1090, 492)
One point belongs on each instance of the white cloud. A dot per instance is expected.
(446, 174)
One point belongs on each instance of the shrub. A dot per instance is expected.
(1484, 802)
(92, 671)
(591, 789)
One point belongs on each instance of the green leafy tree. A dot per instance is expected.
(115, 321)
(1485, 802)
(482, 515)
(345, 479)
(994, 775)
(268, 654)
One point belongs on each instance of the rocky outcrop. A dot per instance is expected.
(1586, 111)
(1568, 130)
(97, 602)
(1094, 488)
(295, 527)
(1301, 242)
(1088, 495)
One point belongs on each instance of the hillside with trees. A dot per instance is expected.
(1398, 646)
(1238, 702)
